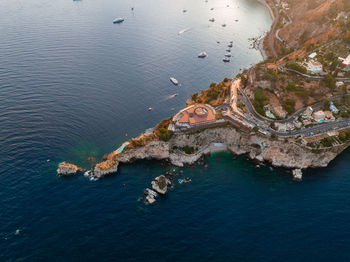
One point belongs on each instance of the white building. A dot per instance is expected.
(319, 116)
(345, 62)
(313, 55)
(314, 67)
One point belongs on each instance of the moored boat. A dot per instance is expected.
(202, 55)
(226, 60)
(174, 81)
(118, 20)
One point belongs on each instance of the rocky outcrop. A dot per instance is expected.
(68, 169)
(160, 184)
(297, 174)
(150, 195)
(104, 168)
(282, 153)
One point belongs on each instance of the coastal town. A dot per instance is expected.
(291, 110)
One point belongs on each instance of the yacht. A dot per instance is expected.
(118, 20)
(228, 50)
(211, 20)
(223, 25)
(228, 55)
(230, 45)
(226, 60)
(174, 81)
(202, 55)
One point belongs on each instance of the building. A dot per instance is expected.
(333, 108)
(307, 113)
(346, 62)
(339, 83)
(314, 67)
(313, 55)
(319, 116)
(194, 115)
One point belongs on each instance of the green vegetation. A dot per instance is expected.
(344, 136)
(296, 67)
(289, 106)
(329, 81)
(161, 130)
(260, 101)
(189, 150)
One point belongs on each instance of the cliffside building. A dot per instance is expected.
(195, 115)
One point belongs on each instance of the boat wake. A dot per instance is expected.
(184, 30)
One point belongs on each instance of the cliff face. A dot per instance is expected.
(278, 153)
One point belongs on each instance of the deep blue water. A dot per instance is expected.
(72, 85)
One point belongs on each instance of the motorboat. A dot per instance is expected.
(223, 25)
(226, 60)
(228, 55)
(202, 55)
(212, 20)
(174, 81)
(230, 45)
(228, 50)
(118, 20)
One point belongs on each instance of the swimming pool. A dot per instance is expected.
(121, 148)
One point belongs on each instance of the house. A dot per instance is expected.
(307, 113)
(339, 83)
(333, 108)
(346, 62)
(313, 55)
(319, 116)
(329, 115)
(314, 67)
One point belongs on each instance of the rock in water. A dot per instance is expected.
(105, 168)
(160, 184)
(150, 195)
(67, 169)
(297, 174)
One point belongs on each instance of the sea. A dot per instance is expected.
(74, 86)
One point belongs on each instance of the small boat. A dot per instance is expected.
(230, 45)
(150, 109)
(228, 55)
(226, 60)
(236, 20)
(174, 81)
(212, 20)
(118, 20)
(231, 42)
(184, 11)
(172, 96)
(228, 50)
(132, 9)
(223, 25)
(202, 55)
(212, 8)
(218, 42)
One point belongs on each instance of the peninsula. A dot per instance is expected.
(291, 110)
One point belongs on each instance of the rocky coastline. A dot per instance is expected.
(279, 153)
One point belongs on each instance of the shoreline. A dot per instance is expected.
(263, 37)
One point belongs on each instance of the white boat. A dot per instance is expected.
(202, 55)
(230, 45)
(174, 81)
(211, 20)
(223, 25)
(226, 60)
(150, 109)
(228, 50)
(228, 55)
(118, 20)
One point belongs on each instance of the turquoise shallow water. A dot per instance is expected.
(72, 85)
